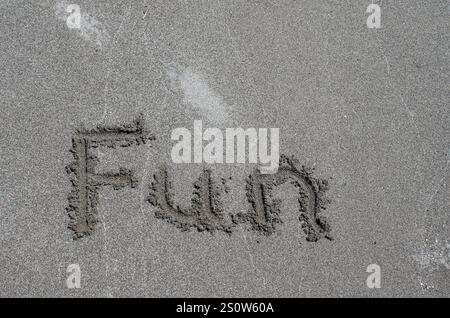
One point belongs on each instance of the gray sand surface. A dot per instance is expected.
(367, 108)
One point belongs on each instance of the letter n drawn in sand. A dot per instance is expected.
(264, 213)
(83, 198)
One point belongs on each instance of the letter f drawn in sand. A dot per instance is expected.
(83, 198)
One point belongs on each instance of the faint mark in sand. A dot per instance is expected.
(437, 252)
(108, 72)
(146, 8)
(90, 29)
(448, 156)
(425, 286)
(74, 19)
(252, 259)
(145, 12)
(436, 255)
(198, 94)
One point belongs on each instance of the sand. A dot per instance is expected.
(364, 132)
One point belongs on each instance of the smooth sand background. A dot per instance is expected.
(367, 107)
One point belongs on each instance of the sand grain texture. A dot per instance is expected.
(366, 108)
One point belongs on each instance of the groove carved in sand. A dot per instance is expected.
(206, 211)
(83, 199)
(265, 208)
